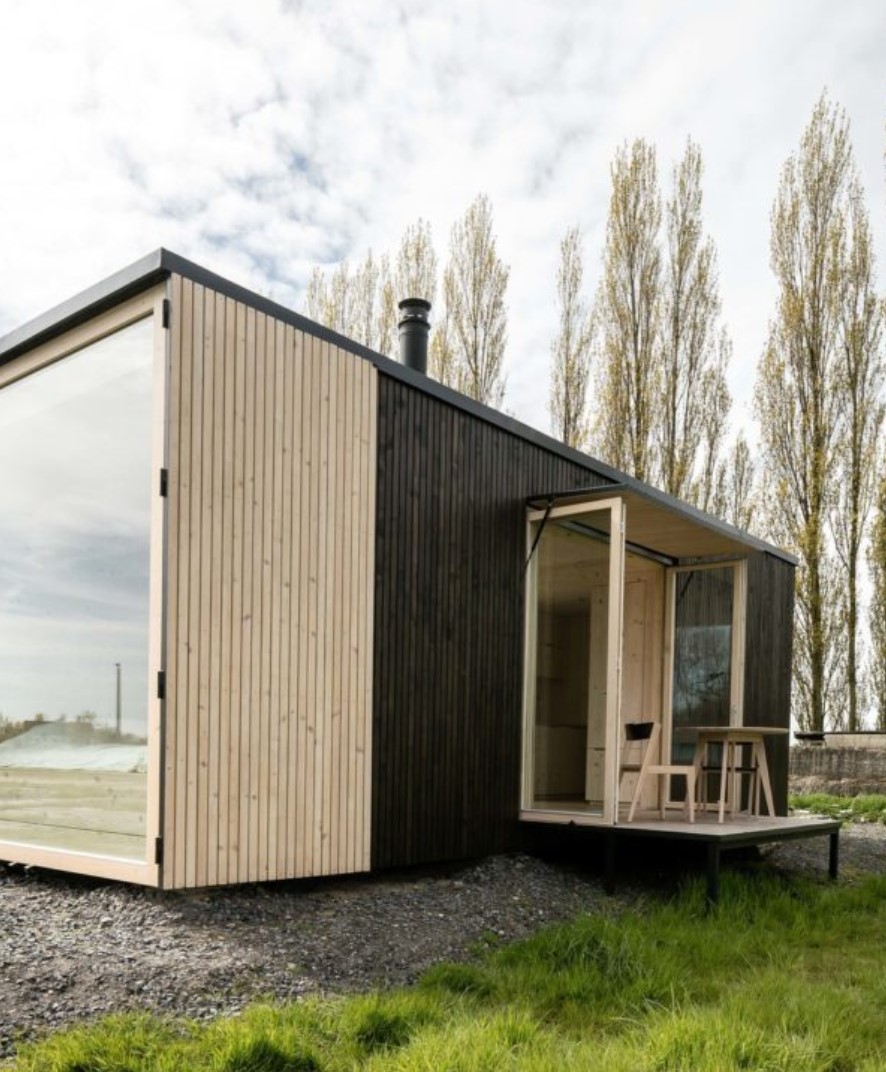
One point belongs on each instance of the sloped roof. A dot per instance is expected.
(159, 265)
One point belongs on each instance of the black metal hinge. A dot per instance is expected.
(166, 312)
(164, 482)
(161, 685)
(158, 850)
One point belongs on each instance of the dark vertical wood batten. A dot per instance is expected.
(448, 663)
(768, 655)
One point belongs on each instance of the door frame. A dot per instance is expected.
(536, 519)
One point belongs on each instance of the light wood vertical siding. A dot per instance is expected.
(270, 582)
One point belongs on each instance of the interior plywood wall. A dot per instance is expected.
(272, 443)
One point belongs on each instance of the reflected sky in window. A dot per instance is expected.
(75, 443)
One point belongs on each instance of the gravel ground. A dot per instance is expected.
(74, 949)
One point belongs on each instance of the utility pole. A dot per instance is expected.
(119, 701)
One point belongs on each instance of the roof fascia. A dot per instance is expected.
(97, 299)
(161, 263)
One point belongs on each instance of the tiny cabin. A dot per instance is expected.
(276, 606)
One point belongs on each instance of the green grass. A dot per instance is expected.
(866, 808)
(780, 976)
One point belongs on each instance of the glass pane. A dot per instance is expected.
(74, 531)
(572, 647)
(702, 652)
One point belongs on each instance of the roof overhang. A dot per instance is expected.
(664, 527)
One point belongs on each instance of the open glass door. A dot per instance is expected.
(573, 664)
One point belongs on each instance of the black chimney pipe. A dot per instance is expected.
(415, 327)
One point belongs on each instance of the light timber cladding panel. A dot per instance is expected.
(272, 461)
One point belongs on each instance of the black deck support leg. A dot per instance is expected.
(713, 872)
(834, 855)
(609, 862)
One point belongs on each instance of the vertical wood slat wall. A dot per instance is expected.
(450, 557)
(768, 655)
(270, 587)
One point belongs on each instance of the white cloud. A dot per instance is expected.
(259, 139)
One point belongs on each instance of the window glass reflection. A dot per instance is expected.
(75, 438)
(702, 652)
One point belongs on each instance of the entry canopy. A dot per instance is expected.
(661, 525)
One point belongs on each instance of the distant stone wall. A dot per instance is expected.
(841, 770)
(861, 739)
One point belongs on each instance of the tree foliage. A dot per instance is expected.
(877, 563)
(362, 302)
(416, 271)
(628, 314)
(801, 396)
(469, 333)
(660, 349)
(571, 347)
(735, 494)
(355, 301)
(860, 382)
(475, 317)
(694, 350)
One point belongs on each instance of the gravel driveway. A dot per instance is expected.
(75, 948)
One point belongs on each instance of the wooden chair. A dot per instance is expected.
(639, 755)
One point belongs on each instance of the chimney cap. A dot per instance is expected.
(415, 327)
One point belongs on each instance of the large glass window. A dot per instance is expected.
(75, 439)
(702, 671)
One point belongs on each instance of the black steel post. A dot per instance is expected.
(713, 872)
(609, 861)
(834, 855)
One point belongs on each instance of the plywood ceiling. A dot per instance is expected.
(656, 526)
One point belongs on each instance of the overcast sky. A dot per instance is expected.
(261, 138)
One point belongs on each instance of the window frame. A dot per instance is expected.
(148, 304)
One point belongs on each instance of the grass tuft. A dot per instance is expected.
(385, 1022)
(780, 977)
(262, 1055)
(865, 808)
(459, 979)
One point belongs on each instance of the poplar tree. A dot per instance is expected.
(627, 315)
(416, 271)
(694, 402)
(661, 352)
(362, 302)
(877, 564)
(798, 398)
(860, 381)
(571, 347)
(351, 301)
(442, 364)
(735, 497)
(475, 318)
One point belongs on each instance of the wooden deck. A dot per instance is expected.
(734, 832)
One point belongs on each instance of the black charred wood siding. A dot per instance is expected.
(448, 663)
(768, 652)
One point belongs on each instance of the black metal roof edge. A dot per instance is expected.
(83, 306)
(162, 262)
